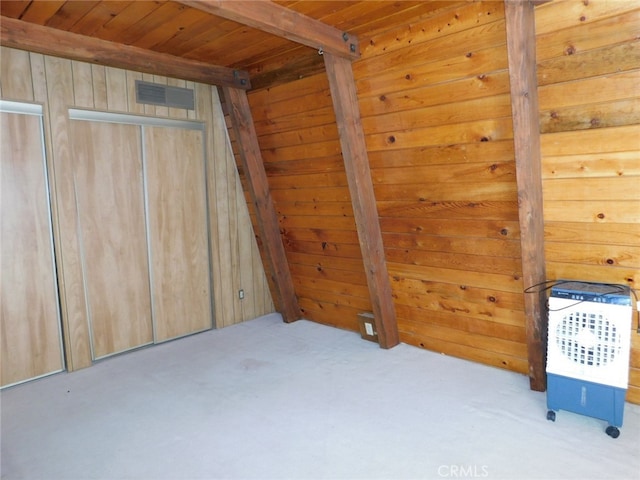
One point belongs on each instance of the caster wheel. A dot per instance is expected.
(613, 432)
(551, 415)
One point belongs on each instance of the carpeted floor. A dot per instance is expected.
(268, 400)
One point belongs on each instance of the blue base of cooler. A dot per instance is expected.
(586, 398)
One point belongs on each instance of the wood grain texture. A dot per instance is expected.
(608, 59)
(440, 184)
(179, 30)
(431, 71)
(590, 142)
(432, 96)
(451, 18)
(478, 348)
(240, 113)
(607, 24)
(48, 41)
(354, 152)
(59, 84)
(231, 203)
(520, 23)
(312, 200)
(29, 320)
(83, 84)
(111, 214)
(282, 22)
(222, 236)
(178, 241)
(15, 64)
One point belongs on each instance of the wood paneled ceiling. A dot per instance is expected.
(178, 29)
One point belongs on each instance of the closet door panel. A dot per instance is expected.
(29, 313)
(177, 223)
(110, 203)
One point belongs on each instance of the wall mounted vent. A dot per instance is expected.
(167, 96)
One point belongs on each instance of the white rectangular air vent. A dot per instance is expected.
(165, 95)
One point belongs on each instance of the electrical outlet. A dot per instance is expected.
(241, 294)
(369, 328)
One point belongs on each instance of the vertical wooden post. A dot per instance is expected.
(521, 49)
(354, 152)
(267, 218)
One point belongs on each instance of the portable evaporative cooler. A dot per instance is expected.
(588, 348)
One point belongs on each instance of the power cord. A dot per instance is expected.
(618, 288)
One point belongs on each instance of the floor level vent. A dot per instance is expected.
(164, 95)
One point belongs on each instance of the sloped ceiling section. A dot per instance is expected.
(201, 32)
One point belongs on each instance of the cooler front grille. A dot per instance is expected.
(588, 338)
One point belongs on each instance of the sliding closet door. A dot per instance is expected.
(177, 223)
(110, 202)
(29, 321)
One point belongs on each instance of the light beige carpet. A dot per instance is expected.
(268, 400)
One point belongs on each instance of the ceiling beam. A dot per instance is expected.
(283, 22)
(521, 51)
(50, 41)
(356, 161)
(308, 64)
(276, 265)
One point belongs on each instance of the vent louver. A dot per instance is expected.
(167, 96)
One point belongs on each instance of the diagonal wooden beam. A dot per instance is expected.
(276, 266)
(283, 22)
(50, 41)
(354, 152)
(521, 50)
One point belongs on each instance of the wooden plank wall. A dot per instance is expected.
(435, 103)
(301, 151)
(439, 140)
(60, 84)
(436, 109)
(589, 89)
